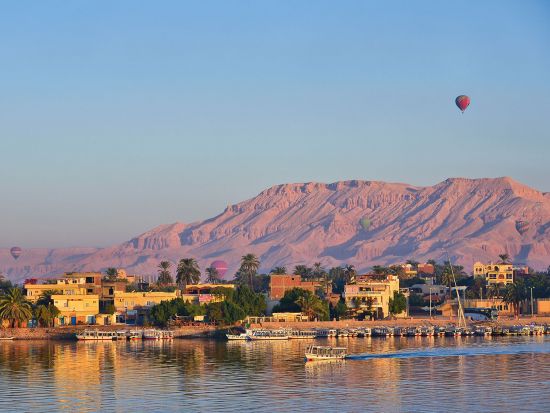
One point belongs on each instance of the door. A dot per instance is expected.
(73, 321)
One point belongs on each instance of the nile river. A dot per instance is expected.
(394, 374)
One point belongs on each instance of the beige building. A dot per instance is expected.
(35, 291)
(495, 273)
(373, 292)
(76, 308)
(124, 301)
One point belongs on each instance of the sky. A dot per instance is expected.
(118, 116)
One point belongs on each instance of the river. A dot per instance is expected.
(384, 375)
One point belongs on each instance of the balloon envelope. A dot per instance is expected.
(220, 266)
(365, 223)
(462, 102)
(522, 226)
(16, 252)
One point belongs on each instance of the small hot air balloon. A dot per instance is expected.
(462, 102)
(365, 223)
(16, 252)
(220, 266)
(522, 226)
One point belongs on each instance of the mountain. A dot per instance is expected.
(472, 219)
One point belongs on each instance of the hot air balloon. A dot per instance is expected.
(365, 223)
(522, 226)
(462, 102)
(220, 266)
(16, 252)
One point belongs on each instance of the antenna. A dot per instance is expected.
(461, 319)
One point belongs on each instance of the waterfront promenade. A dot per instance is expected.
(209, 331)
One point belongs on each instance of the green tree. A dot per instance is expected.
(340, 311)
(303, 271)
(504, 258)
(514, 294)
(46, 314)
(318, 271)
(164, 273)
(212, 275)
(278, 270)
(188, 272)
(15, 307)
(111, 274)
(249, 267)
(350, 273)
(398, 303)
(46, 297)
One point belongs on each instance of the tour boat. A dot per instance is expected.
(258, 334)
(153, 334)
(7, 338)
(97, 335)
(241, 336)
(303, 334)
(323, 332)
(317, 353)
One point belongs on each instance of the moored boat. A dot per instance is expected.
(260, 334)
(97, 335)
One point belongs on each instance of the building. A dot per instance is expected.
(76, 308)
(495, 273)
(426, 269)
(134, 306)
(35, 291)
(280, 284)
(203, 293)
(372, 293)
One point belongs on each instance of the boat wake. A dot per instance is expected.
(458, 352)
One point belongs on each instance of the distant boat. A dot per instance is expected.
(7, 338)
(258, 334)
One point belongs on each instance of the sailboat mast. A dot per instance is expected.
(461, 318)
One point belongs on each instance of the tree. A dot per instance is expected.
(413, 264)
(249, 267)
(212, 275)
(398, 303)
(303, 271)
(350, 273)
(15, 307)
(164, 274)
(310, 305)
(46, 297)
(493, 291)
(318, 271)
(514, 294)
(46, 314)
(111, 274)
(278, 270)
(188, 272)
(339, 311)
(504, 258)
(380, 270)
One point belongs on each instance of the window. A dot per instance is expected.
(90, 291)
(89, 280)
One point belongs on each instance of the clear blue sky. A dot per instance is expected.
(117, 116)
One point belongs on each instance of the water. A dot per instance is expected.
(384, 375)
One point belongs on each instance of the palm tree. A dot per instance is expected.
(249, 267)
(309, 305)
(514, 294)
(493, 291)
(318, 271)
(111, 274)
(15, 307)
(212, 275)
(46, 314)
(46, 297)
(165, 275)
(504, 258)
(303, 271)
(278, 270)
(350, 273)
(188, 272)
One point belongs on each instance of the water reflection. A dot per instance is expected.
(428, 374)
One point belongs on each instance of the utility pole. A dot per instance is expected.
(430, 303)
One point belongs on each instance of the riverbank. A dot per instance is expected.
(69, 332)
(212, 332)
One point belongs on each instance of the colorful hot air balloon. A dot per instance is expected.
(522, 226)
(16, 252)
(365, 223)
(220, 266)
(462, 102)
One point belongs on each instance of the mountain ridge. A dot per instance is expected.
(299, 223)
